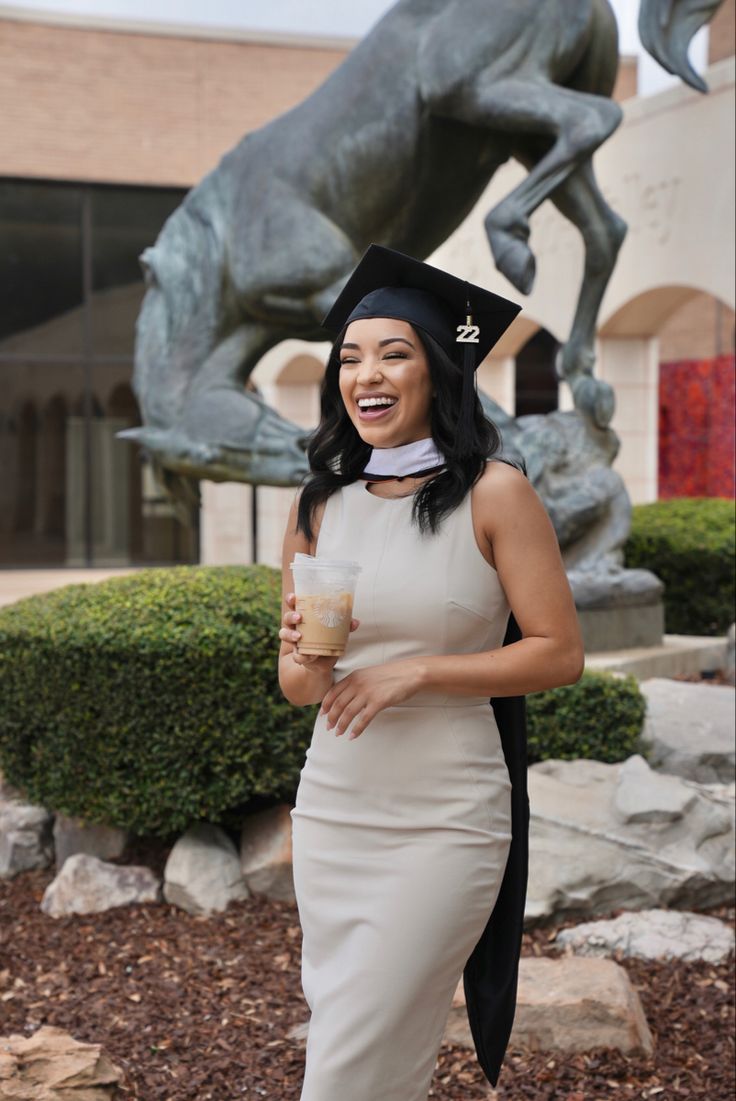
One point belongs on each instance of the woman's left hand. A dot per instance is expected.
(362, 694)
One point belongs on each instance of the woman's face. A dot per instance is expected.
(381, 358)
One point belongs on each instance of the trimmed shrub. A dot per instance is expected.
(689, 542)
(601, 717)
(152, 700)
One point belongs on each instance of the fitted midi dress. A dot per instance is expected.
(400, 836)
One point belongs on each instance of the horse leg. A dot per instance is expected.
(238, 434)
(603, 231)
(576, 122)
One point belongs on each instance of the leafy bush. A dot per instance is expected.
(150, 701)
(689, 543)
(601, 717)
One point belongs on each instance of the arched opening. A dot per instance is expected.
(691, 334)
(52, 471)
(297, 389)
(26, 468)
(697, 408)
(122, 412)
(537, 386)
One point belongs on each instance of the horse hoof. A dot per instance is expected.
(514, 259)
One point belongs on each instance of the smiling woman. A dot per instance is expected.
(408, 832)
(385, 382)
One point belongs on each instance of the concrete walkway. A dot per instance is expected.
(15, 584)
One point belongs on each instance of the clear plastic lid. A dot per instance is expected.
(313, 563)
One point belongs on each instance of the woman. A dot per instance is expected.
(402, 825)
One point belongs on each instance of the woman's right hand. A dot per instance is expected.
(316, 663)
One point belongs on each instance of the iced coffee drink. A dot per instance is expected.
(324, 590)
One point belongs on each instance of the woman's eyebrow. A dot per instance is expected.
(383, 343)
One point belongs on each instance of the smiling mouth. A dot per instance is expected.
(375, 412)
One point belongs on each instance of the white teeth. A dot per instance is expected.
(364, 403)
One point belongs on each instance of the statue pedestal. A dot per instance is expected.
(678, 654)
(622, 628)
(617, 608)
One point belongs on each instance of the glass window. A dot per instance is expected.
(38, 405)
(40, 268)
(124, 221)
(72, 493)
(134, 521)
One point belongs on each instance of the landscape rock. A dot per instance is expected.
(690, 729)
(642, 795)
(51, 1065)
(25, 836)
(568, 1004)
(75, 835)
(610, 836)
(86, 885)
(265, 853)
(203, 871)
(652, 934)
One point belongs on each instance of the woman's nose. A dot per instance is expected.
(368, 371)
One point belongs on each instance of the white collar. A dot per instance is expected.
(409, 458)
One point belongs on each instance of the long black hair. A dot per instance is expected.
(337, 453)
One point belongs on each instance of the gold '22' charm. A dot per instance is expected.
(467, 334)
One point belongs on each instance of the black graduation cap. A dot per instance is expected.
(458, 314)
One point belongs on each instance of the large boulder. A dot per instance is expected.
(86, 885)
(203, 871)
(621, 836)
(265, 853)
(51, 1065)
(652, 935)
(25, 835)
(690, 729)
(567, 1004)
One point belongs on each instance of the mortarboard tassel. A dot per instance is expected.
(468, 337)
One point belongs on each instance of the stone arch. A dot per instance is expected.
(645, 314)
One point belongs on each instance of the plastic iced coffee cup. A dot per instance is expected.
(324, 590)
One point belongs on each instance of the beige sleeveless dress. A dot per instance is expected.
(400, 836)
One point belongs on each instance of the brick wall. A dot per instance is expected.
(109, 106)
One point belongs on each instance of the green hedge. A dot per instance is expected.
(152, 700)
(601, 716)
(690, 544)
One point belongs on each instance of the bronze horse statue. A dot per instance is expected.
(396, 146)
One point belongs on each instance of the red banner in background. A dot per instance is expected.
(697, 411)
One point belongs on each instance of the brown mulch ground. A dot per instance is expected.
(198, 1009)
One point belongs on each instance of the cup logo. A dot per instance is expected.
(329, 612)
